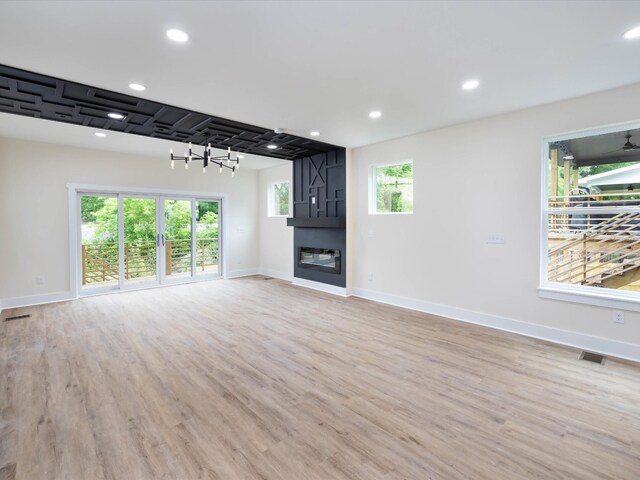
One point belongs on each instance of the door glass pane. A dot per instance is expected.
(178, 238)
(207, 235)
(139, 240)
(99, 233)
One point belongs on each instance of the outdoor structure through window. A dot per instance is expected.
(591, 214)
(391, 188)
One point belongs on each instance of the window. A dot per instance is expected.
(278, 199)
(391, 188)
(591, 217)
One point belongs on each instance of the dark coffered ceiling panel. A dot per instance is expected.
(40, 96)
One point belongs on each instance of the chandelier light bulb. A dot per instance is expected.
(207, 157)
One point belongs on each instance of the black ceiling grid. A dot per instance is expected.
(40, 96)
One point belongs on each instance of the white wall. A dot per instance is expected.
(471, 180)
(276, 239)
(34, 207)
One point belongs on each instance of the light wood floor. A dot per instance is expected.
(256, 379)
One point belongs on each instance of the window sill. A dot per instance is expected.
(611, 299)
(390, 213)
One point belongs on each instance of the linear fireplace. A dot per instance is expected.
(320, 259)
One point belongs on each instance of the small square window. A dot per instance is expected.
(278, 199)
(391, 188)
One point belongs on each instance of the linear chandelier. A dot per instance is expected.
(223, 161)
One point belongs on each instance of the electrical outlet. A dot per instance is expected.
(618, 316)
(370, 277)
(496, 238)
(40, 280)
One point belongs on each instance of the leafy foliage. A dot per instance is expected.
(89, 206)
(140, 219)
(281, 198)
(605, 167)
(394, 188)
(202, 208)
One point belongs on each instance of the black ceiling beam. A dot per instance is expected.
(40, 96)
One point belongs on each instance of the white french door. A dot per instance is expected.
(134, 241)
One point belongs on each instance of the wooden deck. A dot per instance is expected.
(256, 379)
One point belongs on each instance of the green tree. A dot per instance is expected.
(106, 222)
(281, 192)
(140, 220)
(89, 206)
(605, 167)
(394, 188)
(178, 219)
(205, 207)
(208, 226)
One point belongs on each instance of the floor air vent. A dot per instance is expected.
(592, 357)
(17, 317)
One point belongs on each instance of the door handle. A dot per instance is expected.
(157, 239)
(162, 239)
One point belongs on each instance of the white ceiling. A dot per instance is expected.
(324, 65)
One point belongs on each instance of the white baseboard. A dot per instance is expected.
(247, 272)
(288, 277)
(18, 302)
(604, 346)
(323, 287)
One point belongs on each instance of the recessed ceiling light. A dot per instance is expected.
(177, 35)
(115, 116)
(240, 156)
(137, 87)
(100, 134)
(633, 33)
(375, 114)
(272, 146)
(314, 133)
(470, 84)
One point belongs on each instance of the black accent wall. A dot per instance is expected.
(319, 192)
